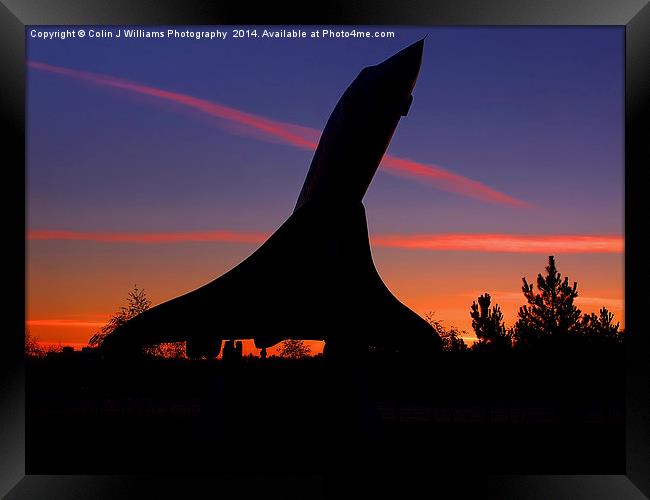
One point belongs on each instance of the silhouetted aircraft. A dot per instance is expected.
(314, 278)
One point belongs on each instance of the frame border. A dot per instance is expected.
(634, 15)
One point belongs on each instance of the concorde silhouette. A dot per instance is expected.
(314, 278)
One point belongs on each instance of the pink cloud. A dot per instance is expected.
(291, 134)
(508, 243)
(168, 237)
(448, 181)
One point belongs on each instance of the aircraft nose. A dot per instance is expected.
(404, 67)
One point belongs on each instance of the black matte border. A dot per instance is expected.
(12, 378)
(15, 14)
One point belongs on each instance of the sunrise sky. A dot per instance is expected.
(165, 162)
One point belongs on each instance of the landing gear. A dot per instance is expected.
(202, 347)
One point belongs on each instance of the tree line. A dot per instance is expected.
(549, 319)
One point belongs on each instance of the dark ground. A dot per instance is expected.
(464, 413)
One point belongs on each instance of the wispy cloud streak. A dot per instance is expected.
(446, 180)
(293, 135)
(496, 243)
(505, 243)
(167, 237)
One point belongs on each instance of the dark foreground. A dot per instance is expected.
(465, 413)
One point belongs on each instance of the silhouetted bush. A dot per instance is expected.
(171, 350)
(32, 347)
(294, 349)
(451, 339)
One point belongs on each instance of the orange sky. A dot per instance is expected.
(74, 286)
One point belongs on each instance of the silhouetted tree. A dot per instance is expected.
(169, 350)
(32, 347)
(600, 329)
(294, 349)
(451, 339)
(53, 349)
(136, 303)
(551, 314)
(488, 325)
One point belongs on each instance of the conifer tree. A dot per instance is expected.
(601, 329)
(488, 325)
(550, 314)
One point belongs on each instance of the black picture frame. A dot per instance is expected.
(16, 14)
